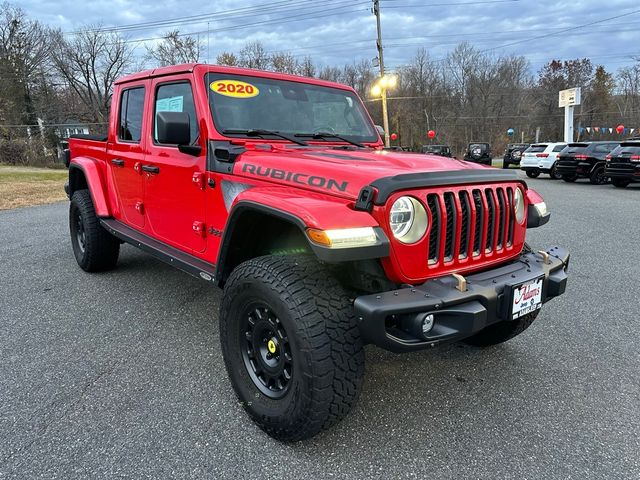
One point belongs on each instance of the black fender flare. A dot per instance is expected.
(325, 254)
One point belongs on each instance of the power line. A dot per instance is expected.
(281, 20)
(245, 11)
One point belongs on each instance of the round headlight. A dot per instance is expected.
(408, 220)
(518, 206)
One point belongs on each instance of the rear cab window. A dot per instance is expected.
(131, 114)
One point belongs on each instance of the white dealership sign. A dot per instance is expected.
(569, 97)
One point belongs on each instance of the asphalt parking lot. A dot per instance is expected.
(120, 374)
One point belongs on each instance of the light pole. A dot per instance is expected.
(379, 89)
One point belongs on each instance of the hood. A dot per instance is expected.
(336, 171)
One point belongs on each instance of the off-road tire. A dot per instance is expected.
(597, 177)
(533, 173)
(502, 331)
(554, 173)
(569, 178)
(620, 182)
(95, 249)
(323, 336)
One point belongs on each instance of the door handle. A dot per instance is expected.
(117, 162)
(151, 169)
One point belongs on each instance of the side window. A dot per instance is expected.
(131, 109)
(559, 148)
(176, 97)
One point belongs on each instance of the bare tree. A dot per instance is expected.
(253, 55)
(307, 68)
(284, 62)
(228, 59)
(24, 50)
(90, 62)
(174, 49)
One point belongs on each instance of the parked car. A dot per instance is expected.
(321, 243)
(479, 152)
(584, 160)
(541, 158)
(442, 150)
(397, 148)
(513, 154)
(623, 163)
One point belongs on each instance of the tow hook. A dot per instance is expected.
(462, 282)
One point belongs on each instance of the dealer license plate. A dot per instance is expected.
(527, 298)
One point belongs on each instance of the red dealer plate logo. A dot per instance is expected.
(527, 298)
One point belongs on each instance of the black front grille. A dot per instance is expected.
(486, 223)
(491, 215)
(450, 208)
(434, 237)
(477, 233)
(465, 208)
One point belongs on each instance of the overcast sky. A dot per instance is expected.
(341, 31)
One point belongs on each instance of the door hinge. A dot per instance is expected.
(198, 179)
(199, 228)
(140, 208)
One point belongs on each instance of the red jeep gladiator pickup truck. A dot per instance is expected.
(277, 189)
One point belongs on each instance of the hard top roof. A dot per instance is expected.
(204, 68)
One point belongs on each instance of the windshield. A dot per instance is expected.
(240, 102)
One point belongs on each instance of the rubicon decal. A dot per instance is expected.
(299, 178)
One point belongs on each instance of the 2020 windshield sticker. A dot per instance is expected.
(234, 88)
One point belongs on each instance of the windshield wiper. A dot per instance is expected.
(324, 135)
(262, 133)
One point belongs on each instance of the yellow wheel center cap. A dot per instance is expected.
(271, 345)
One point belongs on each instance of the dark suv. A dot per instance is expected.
(584, 160)
(442, 150)
(478, 152)
(623, 163)
(513, 154)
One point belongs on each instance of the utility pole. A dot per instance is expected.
(385, 114)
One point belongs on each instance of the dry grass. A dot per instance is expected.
(25, 186)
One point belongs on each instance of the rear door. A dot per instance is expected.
(174, 181)
(126, 152)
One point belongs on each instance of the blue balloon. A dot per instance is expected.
(510, 131)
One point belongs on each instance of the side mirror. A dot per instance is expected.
(174, 128)
(380, 130)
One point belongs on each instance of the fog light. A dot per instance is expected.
(427, 323)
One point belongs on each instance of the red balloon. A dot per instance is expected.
(394, 136)
(620, 128)
(431, 133)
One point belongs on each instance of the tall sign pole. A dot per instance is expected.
(385, 114)
(569, 99)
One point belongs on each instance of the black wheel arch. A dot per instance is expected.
(77, 179)
(253, 230)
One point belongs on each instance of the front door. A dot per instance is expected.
(174, 181)
(125, 152)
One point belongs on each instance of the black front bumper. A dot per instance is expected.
(391, 319)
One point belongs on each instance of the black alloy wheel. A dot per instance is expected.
(266, 350)
(598, 176)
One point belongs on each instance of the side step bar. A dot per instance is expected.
(182, 260)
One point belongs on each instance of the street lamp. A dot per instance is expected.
(379, 89)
